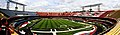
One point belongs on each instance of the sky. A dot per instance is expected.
(61, 5)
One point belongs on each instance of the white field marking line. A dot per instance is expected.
(53, 32)
(61, 31)
(84, 23)
(68, 29)
(77, 22)
(85, 31)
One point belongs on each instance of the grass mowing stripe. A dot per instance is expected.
(76, 24)
(61, 22)
(53, 24)
(70, 22)
(46, 24)
(43, 24)
(38, 24)
(35, 23)
(49, 24)
(57, 24)
(66, 22)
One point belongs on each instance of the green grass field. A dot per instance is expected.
(59, 24)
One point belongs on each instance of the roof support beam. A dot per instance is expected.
(9, 1)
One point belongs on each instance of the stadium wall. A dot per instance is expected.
(12, 13)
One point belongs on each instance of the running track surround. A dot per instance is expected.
(111, 22)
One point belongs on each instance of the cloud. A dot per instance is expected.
(63, 5)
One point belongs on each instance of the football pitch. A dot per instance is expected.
(46, 24)
(59, 24)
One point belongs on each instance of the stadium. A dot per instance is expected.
(62, 22)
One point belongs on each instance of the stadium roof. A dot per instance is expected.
(17, 3)
(92, 5)
(63, 5)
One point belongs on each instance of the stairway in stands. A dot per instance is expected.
(116, 29)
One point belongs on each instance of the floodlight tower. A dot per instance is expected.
(10, 1)
(93, 5)
(8, 4)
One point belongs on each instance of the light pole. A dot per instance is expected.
(9, 1)
(8, 4)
